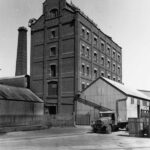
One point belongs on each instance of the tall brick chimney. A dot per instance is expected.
(21, 61)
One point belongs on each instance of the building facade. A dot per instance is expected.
(68, 52)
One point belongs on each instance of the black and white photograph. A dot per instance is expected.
(74, 75)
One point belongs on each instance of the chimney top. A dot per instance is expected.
(22, 29)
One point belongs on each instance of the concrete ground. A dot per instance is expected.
(79, 138)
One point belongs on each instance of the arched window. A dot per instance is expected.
(54, 13)
(53, 88)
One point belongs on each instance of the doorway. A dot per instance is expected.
(52, 110)
(138, 111)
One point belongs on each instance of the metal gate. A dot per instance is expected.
(83, 119)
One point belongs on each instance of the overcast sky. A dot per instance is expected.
(126, 21)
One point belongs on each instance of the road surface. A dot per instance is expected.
(80, 138)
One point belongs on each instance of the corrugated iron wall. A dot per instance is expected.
(9, 107)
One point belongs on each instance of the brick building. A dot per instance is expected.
(68, 52)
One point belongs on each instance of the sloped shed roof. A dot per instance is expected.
(90, 103)
(126, 90)
(18, 94)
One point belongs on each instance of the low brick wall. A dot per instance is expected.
(31, 122)
(61, 120)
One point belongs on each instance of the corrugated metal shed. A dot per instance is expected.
(18, 94)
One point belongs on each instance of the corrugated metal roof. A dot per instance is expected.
(127, 90)
(13, 77)
(147, 93)
(17, 81)
(19, 94)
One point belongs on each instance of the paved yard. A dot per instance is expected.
(79, 138)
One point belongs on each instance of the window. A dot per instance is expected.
(88, 70)
(114, 78)
(108, 64)
(83, 50)
(83, 69)
(118, 79)
(132, 100)
(108, 50)
(53, 51)
(102, 61)
(95, 73)
(114, 54)
(83, 85)
(83, 32)
(118, 69)
(88, 35)
(88, 52)
(108, 76)
(52, 88)
(102, 74)
(53, 34)
(95, 41)
(53, 70)
(119, 57)
(54, 13)
(144, 103)
(95, 56)
(102, 46)
(114, 67)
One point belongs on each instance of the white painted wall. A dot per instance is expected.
(122, 111)
(132, 111)
(131, 108)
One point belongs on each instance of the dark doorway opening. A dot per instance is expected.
(52, 110)
(138, 110)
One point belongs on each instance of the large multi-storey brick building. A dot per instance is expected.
(68, 52)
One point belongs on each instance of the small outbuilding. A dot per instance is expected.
(19, 101)
(124, 101)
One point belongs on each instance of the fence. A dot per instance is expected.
(145, 114)
(30, 122)
(138, 127)
(83, 119)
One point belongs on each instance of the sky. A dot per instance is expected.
(126, 21)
